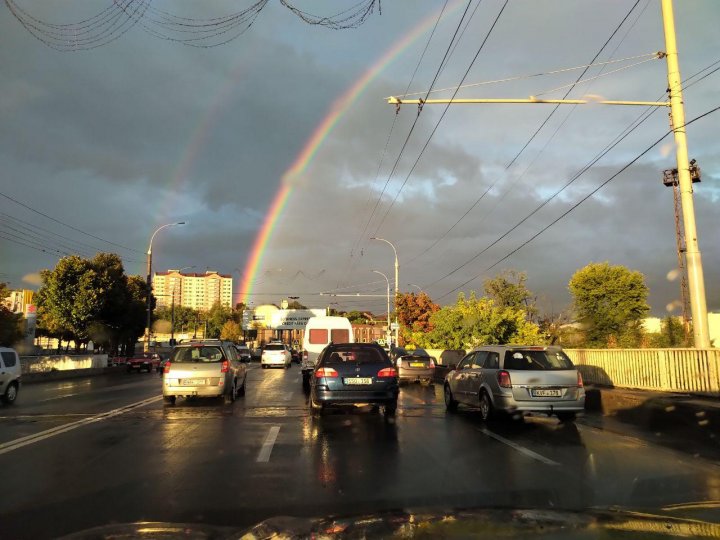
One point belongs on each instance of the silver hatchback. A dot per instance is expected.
(516, 379)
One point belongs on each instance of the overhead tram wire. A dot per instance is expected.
(625, 133)
(8, 197)
(585, 68)
(49, 251)
(552, 112)
(356, 243)
(585, 198)
(412, 127)
(442, 116)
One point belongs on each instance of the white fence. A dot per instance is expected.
(673, 370)
(62, 362)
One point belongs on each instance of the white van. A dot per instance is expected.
(319, 333)
(9, 375)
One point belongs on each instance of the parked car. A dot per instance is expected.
(319, 333)
(143, 362)
(353, 373)
(204, 368)
(516, 379)
(275, 354)
(416, 368)
(9, 375)
(244, 352)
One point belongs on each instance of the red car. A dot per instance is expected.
(147, 362)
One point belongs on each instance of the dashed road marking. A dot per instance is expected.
(515, 446)
(266, 450)
(48, 433)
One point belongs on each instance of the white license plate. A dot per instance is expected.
(547, 393)
(359, 380)
(192, 382)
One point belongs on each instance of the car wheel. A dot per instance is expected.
(241, 390)
(229, 398)
(450, 403)
(486, 407)
(391, 408)
(11, 393)
(566, 417)
(169, 400)
(317, 408)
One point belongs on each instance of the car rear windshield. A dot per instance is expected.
(415, 358)
(537, 360)
(344, 355)
(198, 354)
(275, 347)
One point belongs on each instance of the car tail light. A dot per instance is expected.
(166, 369)
(304, 355)
(580, 381)
(431, 364)
(504, 379)
(325, 372)
(225, 366)
(387, 372)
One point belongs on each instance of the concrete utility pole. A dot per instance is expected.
(389, 331)
(696, 281)
(693, 261)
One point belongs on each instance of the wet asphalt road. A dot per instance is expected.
(89, 452)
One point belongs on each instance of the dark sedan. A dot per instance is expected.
(353, 374)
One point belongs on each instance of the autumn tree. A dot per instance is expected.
(231, 331)
(610, 302)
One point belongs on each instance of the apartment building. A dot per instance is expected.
(196, 291)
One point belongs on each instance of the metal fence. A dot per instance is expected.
(673, 370)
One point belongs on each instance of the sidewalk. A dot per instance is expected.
(682, 421)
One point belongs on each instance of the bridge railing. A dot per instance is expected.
(694, 371)
(61, 362)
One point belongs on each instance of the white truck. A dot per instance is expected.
(319, 333)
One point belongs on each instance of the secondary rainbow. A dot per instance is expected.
(303, 159)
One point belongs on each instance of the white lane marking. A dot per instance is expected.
(515, 446)
(41, 436)
(266, 450)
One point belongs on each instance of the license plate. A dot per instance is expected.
(546, 393)
(192, 382)
(359, 380)
(417, 364)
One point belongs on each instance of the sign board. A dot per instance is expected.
(282, 319)
(394, 326)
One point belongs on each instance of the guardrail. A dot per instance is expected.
(61, 362)
(694, 371)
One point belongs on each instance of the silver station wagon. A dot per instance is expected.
(516, 379)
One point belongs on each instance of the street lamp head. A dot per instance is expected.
(181, 223)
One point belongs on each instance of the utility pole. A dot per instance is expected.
(693, 260)
(696, 281)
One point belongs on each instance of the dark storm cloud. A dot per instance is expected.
(143, 132)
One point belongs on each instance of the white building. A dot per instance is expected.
(196, 291)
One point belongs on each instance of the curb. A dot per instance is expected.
(45, 376)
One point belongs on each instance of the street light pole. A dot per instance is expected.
(149, 282)
(388, 333)
(696, 280)
(397, 277)
(418, 287)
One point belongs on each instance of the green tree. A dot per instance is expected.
(610, 301)
(216, 318)
(672, 334)
(231, 331)
(478, 321)
(11, 324)
(185, 317)
(508, 289)
(356, 317)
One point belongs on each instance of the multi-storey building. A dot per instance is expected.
(196, 291)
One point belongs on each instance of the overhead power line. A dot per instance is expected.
(585, 198)
(38, 212)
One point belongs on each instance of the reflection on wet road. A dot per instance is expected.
(266, 455)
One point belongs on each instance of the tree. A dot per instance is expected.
(610, 301)
(231, 331)
(508, 289)
(414, 312)
(672, 334)
(11, 324)
(216, 318)
(355, 317)
(295, 305)
(185, 317)
(472, 322)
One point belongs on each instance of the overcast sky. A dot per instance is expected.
(123, 138)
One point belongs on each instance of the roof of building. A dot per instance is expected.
(209, 273)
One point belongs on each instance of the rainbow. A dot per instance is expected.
(321, 132)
